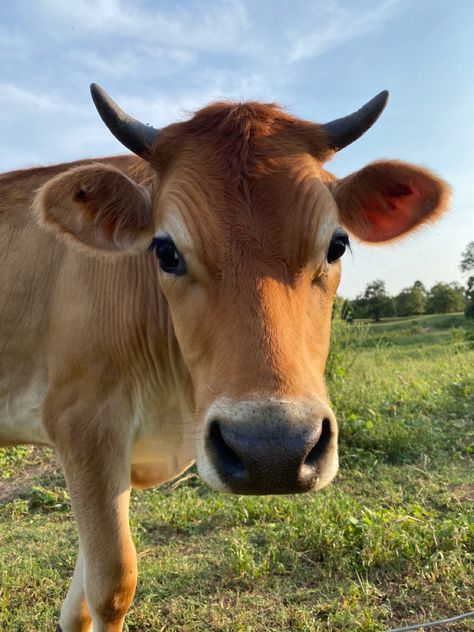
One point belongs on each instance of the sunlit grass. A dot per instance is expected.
(391, 542)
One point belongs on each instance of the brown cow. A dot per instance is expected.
(178, 307)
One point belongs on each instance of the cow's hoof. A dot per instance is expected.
(58, 629)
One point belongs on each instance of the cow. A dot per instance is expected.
(174, 304)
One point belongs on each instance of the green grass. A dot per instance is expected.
(443, 321)
(420, 331)
(391, 542)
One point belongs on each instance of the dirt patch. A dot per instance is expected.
(464, 492)
(39, 468)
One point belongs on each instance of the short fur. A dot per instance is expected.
(122, 367)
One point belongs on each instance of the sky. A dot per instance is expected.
(321, 59)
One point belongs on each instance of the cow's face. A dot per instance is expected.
(250, 273)
(248, 232)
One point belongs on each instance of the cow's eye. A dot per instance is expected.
(170, 259)
(338, 245)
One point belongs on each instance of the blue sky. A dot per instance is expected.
(320, 58)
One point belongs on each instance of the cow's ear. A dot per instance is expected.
(97, 206)
(388, 199)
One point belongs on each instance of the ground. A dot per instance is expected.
(390, 543)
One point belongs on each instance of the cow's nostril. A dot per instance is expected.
(230, 465)
(269, 452)
(318, 450)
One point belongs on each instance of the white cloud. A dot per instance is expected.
(130, 61)
(160, 60)
(211, 26)
(266, 32)
(15, 97)
(334, 25)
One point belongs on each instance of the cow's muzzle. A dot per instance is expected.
(269, 446)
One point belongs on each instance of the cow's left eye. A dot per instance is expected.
(338, 245)
(170, 259)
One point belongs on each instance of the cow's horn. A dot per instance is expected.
(136, 136)
(346, 130)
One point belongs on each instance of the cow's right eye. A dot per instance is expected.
(171, 261)
(338, 245)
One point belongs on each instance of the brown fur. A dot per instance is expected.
(126, 360)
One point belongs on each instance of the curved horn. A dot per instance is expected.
(346, 130)
(136, 136)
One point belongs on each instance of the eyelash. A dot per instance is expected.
(171, 261)
(338, 245)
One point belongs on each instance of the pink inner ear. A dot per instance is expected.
(379, 226)
(399, 190)
(388, 199)
(399, 215)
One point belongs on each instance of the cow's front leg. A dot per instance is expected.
(75, 615)
(95, 455)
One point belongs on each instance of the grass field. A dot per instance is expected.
(391, 542)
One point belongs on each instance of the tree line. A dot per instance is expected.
(442, 298)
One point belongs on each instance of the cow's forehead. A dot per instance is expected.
(286, 213)
(245, 178)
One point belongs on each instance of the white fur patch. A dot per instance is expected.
(176, 228)
(165, 436)
(20, 416)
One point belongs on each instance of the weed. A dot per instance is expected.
(391, 542)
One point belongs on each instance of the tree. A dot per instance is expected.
(419, 285)
(470, 289)
(411, 300)
(374, 302)
(467, 258)
(469, 311)
(444, 298)
(467, 265)
(358, 307)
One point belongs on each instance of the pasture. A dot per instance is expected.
(391, 542)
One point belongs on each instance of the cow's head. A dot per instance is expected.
(248, 230)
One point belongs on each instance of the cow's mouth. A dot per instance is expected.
(268, 446)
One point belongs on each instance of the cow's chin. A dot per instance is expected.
(212, 478)
(268, 446)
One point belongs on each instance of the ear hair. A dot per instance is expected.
(97, 206)
(388, 199)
